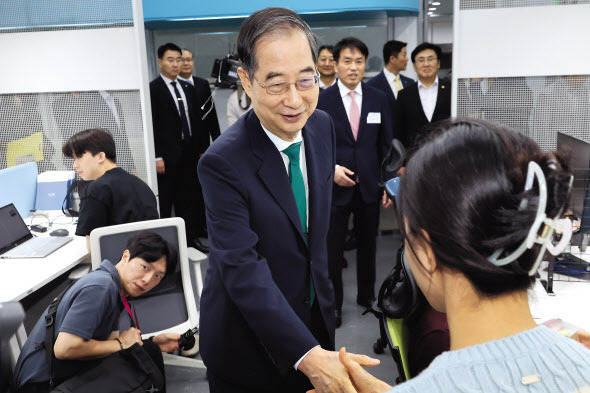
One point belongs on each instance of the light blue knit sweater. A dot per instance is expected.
(562, 364)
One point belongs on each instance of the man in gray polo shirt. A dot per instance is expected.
(87, 319)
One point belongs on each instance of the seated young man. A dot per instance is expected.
(87, 319)
(114, 196)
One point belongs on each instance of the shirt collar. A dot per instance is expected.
(281, 144)
(390, 76)
(186, 80)
(326, 86)
(345, 90)
(167, 80)
(435, 84)
(107, 266)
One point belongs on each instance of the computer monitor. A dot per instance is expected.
(579, 153)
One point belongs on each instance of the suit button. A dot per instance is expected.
(307, 300)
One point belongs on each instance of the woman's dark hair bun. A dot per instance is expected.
(464, 187)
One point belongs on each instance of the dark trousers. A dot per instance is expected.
(367, 219)
(151, 348)
(201, 218)
(178, 187)
(294, 381)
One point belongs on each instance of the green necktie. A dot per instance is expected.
(298, 187)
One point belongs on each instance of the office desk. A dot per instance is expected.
(569, 303)
(21, 277)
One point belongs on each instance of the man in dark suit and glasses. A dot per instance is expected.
(362, 120)
(176, 140)
(208, 114)
(424, 102)
(326, 66)
(390, 80)
(267, 307)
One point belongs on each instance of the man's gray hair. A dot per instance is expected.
(272, 21)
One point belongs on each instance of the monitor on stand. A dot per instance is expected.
(579, 153)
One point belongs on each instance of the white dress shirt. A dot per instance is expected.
(323, 86)
(181, 91)
(281, 145)
(391, 80)
(347, 100)
(428, 96)
(190, 80)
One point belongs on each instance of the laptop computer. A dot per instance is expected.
(17, 241)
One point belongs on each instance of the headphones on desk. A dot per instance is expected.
(81, 186)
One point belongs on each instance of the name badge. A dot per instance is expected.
(374, 118)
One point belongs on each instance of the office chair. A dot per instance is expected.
(170, 307)
(11, 317)
(397, 299)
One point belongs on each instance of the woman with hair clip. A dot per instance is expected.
(482, 206)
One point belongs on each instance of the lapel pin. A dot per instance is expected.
(442, 87)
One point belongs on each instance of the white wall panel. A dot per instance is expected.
(70, 60)
(529, 41)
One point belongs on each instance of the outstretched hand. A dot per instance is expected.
(362, 380)
(167, 342)
(327, 373)
(583, 337)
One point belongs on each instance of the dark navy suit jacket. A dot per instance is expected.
(167, 123)
(380, 82)
(365, 155)
(255, 306)
(410, 121)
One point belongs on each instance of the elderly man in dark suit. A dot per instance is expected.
(424, 102)
(362, 121)
(390, 80)
(177, 124)
(267, 307)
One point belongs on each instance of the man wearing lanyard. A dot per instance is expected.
(87, 318)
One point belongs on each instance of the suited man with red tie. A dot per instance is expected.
(362, 121)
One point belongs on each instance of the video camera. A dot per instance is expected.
(187, 339)
(225, 72)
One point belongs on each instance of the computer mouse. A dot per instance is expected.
(59, 232)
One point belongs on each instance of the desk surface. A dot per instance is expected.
(570, 302)
(21, 277)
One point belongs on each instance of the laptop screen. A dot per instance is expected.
(12, 228)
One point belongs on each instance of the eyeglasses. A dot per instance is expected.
(186, 60)
(276, 88)
(429, 60)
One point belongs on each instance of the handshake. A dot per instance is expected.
(340, 372)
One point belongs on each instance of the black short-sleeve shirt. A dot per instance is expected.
(89, 309)
(117, 197)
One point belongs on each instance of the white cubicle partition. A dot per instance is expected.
(72, 65)
(531, 65)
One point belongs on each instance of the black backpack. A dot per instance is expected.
(130, 370)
